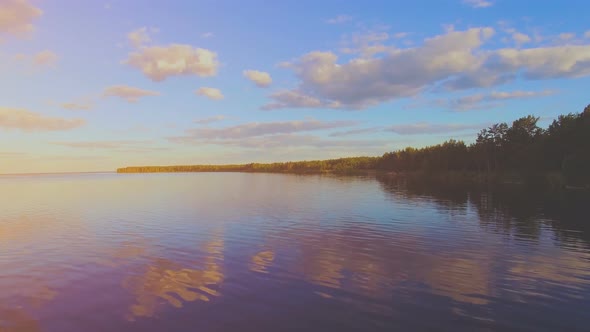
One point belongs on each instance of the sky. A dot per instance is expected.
(96, 85)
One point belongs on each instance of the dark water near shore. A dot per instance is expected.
(271, 252)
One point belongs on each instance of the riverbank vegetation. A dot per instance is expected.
(502, 152)
(342, 165)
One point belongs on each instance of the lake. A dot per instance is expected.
(273, 252)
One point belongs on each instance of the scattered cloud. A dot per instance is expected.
(138, 128)
(16, 17)
(356, 132)
(254, 129)
(44, 58)
(490, 100)
(422, 128)
(368, 43)
(399, 35)
(260, 78)
(120, 146)
(102, 144)
(478, 3)
(85, 103)
(339, 19)
(139, 37)
(41, 59)
(143, 149)
(541, 63)
(296, 99)
(521, 38)
(520, 94)
(448, 28)
(283, 141)
(566, 36)
(207, 35)
(211, 119)
(211, 93)
(454, 60)
(78, 106)
(128, 93)
(161, 62)
(21, 57)
(27, 121)
(587, 34)
(12, 155)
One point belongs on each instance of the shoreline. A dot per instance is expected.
(541, 180)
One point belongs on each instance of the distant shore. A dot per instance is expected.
(340, 166)
(517, 154)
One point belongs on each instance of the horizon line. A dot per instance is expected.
(55, 173)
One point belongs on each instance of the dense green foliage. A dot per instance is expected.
(521, 148)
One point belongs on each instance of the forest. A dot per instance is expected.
(519, 150)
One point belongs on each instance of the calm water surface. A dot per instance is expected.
(269, 252)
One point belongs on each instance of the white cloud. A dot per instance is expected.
(430, 128)
(339, 19)
(283, 141)
(41, 59)
(207, 35)
(44, 58)
(21, 57)
(254, 129)
(128, 93)
(139, 37)
(490, 100)
(542, 62)
(521, 38)
(102, 144)
(120, 146)
(161, 62)
(587, 34)
(455, 60)
(11, 154)
(356, 132)
(211, 93)
(401, 35)
(296, 99)
(211, 119)
(519, 94)
(16, 17)
(363, 82)
(566, 36)
(478, 3)
(78, 106)
(368, 43)
(22, 119)
(260, 78)
(85, 103)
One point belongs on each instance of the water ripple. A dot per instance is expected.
(269, 252)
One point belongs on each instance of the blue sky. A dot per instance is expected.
(96, 85)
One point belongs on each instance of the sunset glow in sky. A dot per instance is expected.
(96, 85)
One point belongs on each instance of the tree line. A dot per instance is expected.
(341, 165)
(521, 148)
